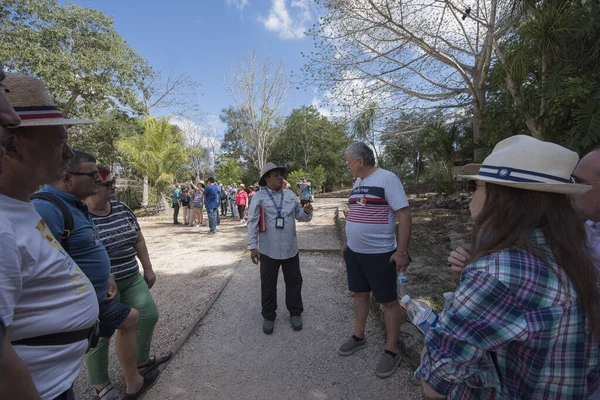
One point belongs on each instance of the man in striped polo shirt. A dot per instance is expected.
(375, 250)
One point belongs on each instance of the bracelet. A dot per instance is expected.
(402, 252)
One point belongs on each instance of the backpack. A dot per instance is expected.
(223, 194)
(67, 217)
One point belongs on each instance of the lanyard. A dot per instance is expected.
(275, 204)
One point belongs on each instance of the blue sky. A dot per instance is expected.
(204, 38)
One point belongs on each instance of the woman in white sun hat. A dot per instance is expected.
(524, 320)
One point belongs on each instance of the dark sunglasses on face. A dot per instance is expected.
(91, 174)
(109, 184)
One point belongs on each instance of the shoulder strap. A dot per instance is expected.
(67, 217)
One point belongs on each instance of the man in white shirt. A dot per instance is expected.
(46, 302)
(278, 245)
(376, 249)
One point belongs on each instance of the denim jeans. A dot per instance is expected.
(233, 207)
(212, 219)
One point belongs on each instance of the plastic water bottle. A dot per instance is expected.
(421, 315)
(448, 298)
(402, 285)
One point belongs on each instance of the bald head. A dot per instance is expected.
(588, 172)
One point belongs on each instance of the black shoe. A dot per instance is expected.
(268, 326)
(296, 322)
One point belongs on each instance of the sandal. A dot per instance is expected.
(150, 378)
(153, 363)
(103, 394)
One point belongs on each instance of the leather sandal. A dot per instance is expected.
(153, 361)
(103, 394)
(150, 378)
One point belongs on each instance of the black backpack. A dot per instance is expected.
(67, 217)
(223, 194)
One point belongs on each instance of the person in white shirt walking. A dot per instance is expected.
(277, 245)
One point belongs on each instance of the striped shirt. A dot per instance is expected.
(513, 320)
(118, 233)
(371, 219)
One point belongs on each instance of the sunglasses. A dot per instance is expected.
(91, 174)
(109, 184)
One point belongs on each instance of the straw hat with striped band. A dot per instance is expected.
(33, 104)
(527, 163)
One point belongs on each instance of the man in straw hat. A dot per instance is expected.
(524, 319)
(46, 301)
(376, 249)
(278, 245)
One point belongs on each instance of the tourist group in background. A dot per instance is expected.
(190, 199)
(523, 322)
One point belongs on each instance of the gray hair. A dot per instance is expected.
(361, 150)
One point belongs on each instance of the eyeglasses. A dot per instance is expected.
(109, 184)
(91, 174)
(580, 181)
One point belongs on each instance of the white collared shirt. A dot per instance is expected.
(280, 244)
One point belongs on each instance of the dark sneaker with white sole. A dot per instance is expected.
(351, 345)
(387, 365)
(268, 326)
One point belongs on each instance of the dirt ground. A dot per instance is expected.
(190, 266)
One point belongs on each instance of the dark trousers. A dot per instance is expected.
(269, 273)
(223, 207)
(175, 213)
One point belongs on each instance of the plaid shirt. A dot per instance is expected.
(513, 331)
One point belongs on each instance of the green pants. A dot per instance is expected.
(134, 292)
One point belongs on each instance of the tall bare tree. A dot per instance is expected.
(408, 53)
(259, 89)
(176, 93)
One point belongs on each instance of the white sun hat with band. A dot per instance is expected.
(33, 103)
(527, 163)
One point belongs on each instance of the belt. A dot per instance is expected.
(56, 339)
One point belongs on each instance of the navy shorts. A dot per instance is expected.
(112, 315)
(372, 273)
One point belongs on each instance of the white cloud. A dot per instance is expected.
(237, 3)
(288, 25)
(206, 133)
(318, 104)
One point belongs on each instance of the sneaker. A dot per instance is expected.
(268, 326)
(351, 345)
(197, 225)
(387, 365)
(297, 322)
(212, 232)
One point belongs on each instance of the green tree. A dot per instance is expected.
(87, 66)
(310, 139)
(157, 154)
(101, 139)
(229, 171)
(547, 78)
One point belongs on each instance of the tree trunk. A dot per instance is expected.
(417, 168)
(69, 104)
(145, 192)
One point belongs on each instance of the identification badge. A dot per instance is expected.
(279, 223)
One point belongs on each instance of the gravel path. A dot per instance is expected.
(229, 357)
(190, 266)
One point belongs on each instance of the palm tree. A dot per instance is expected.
(157, 154)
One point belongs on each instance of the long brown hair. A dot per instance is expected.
(508, 217)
